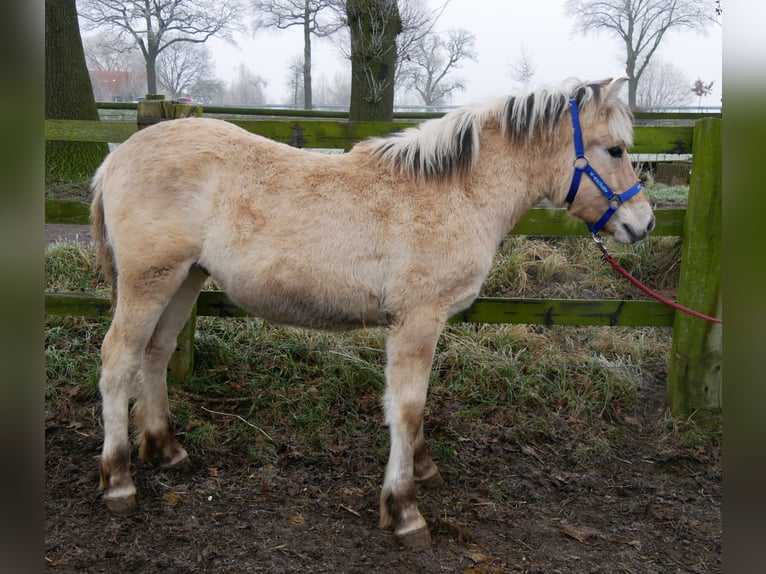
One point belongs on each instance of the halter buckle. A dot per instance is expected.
(581, 162)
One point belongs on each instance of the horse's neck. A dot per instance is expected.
(510, 180)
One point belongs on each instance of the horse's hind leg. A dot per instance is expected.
(410, 352)
(142, 299)
(157, 441)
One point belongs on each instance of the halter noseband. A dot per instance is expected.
(581, 164)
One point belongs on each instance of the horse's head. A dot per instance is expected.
(604, 190)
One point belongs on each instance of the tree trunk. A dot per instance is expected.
(152, 51)
(374, 25)
(307, 95)
(68, 93)
(151, 76)
(632, 91)
(630, 71)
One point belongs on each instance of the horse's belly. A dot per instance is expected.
(292, 306)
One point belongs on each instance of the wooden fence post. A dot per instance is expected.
(148, 112)
(694, 372)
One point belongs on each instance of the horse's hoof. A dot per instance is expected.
(180, 460)
(121, 505)
(418, 538)
(433, 481)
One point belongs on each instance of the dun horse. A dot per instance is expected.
(399, 232)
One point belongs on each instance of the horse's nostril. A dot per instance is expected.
(652, 223)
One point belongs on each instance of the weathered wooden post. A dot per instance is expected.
(694, 373)
(149, 112)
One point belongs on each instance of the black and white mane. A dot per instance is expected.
(449, 145)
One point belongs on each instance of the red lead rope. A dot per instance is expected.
(625, 273)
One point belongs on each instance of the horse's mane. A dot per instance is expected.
(446, 146)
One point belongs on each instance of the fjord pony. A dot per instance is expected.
(400, 232)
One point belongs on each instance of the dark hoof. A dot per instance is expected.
(122, 505)
(433, 481)
(415, 539)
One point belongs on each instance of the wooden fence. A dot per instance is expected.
(694, 375)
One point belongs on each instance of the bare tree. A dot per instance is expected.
(380, 33)
(426, 68)
(104, 52)
(182, 66)
(418, 21)
(246, 88)
(209, 91)
(701, 89)
(640, 25)
(317, 18)
(156, 25)
(116, 67)
(523, 70)
(662, 85)
(335, 91)
(295, 81)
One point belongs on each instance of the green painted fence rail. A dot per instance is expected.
(398, 115)
(549, 312)
(700, 259)
(317, 133)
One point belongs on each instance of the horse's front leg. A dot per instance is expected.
(410, 351)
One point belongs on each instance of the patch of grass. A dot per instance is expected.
(663, 195)
(528, 377)
(72, 268)
(695, 431)
(72, 346)
(77, 190)
(308, 388)
(572, 267)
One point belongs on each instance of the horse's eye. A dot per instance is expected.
(615, 151)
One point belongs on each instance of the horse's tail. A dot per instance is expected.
(99, 232)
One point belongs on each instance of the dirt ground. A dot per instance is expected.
(505, 507)
(651, 506)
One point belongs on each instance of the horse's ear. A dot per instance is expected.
(612, 88)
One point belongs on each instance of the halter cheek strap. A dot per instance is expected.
(582, 165)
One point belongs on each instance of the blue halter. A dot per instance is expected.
(581, 164)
